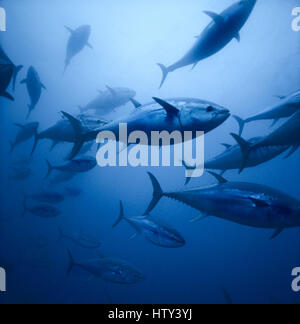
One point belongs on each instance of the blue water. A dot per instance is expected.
(129, 38)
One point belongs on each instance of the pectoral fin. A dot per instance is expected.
(136, 104)
(276, 233)
(69, 29)
(89, 46)
(238, 37)
(218, 19)
(171, 110)
(220, 179)
(259, 203)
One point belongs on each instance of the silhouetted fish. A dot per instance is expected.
(80, 239)
(25, 133)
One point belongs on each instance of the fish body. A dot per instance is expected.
(8, 73)
(110, 270)
(179, 114)
(81, 240)
(47, 197)
(78, 40)
(34, 88)
(154, 232)
(25, 133)
(20, 173)
(246, 204)
(108, 100)
(43, 211)
(220, 32)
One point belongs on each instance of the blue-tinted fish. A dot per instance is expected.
(80, 239)
(25, 133)
(8, 73)
(287, 106)
(42, 210)
(48, 197)
(34, 88)
(78, 40)
(81, 165)
(242, 203)
(19, 173)
(108, 100)
(155, 233)
(111, 270)
(220, 32)
(179, 114)
(61, 177)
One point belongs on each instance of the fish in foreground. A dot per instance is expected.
(286, 135)
(232, 158)
(80, 239)
(42, 210)
(34, 88)
(8, 73)
(25, 133)
(243, 203)
(221, 31)
(108, 100)
(82, 165)
(48, 197)
(155, 233)
(179, 114)
(287, 106)
(108, 269)
(78, 40)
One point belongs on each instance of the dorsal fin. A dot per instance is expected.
(171, 110)
(218, 19)
(220, 179)
(227, 146)
(136, 104)
(69, 29)
(111, 90)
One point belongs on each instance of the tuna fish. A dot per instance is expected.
(25, 133)
(221, 31)
(155, 233)
(246, 204)
(232, 158)
(42, 210)
(179, 114)
(109, 100)
(34, 88)
(110, 270)
(20, 173)
(81, 240)
(287, 106)
(78, 40)
(48, 197)
(82, 165)
(8, 73)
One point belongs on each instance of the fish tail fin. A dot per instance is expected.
(245, 149)
(12, 147)
(30, 108)
(16, 71)
(165, 72)
(157, 194)
(36, 140)
(121, 216)
(79, 134)
(241, 123)
(50, 169)
(71, 263)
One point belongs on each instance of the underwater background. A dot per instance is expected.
(129, 38)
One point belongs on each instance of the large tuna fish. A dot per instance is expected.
(223, 28)
(246, 204)
(109, 100)
(78, 40)
(179, 114)
(285, 108)
(8, 72)
(34, 88)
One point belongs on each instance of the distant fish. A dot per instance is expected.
(81, 165)
(246, 204)
(8, 73)
(48, 197)
(25, 133)
(232, 158)
(34, 88)
(110, 270)
(227, 297)
(155, 233)
(287, 106)
(220, 32)
(175, 114)
(78, 40)
(109, 100)
(80, 239)
(42, 210)
(19, 173)
(61, 177)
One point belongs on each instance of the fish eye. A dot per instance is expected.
(210, 109)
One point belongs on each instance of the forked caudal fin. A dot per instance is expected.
(122, 215)
(79, 135)
(241, 123)
(165, 72)
(245, 149)
(50, 169)
(157, 194)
